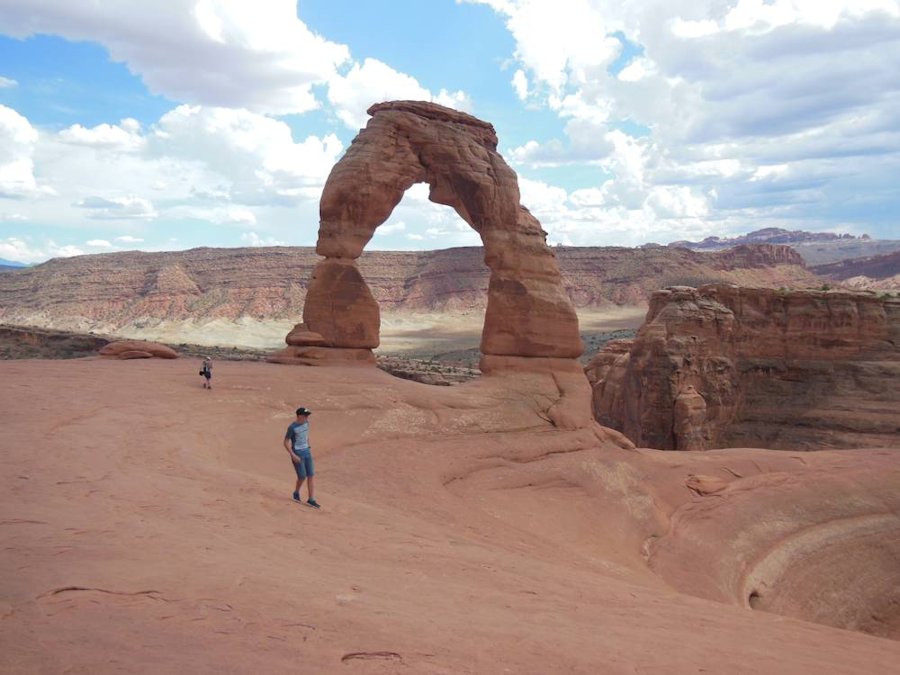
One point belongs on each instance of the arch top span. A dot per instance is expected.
(406, 142)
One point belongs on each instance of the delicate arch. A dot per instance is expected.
(407, 142)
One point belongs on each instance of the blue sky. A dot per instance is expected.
(180, 123)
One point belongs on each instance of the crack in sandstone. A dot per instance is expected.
(155, 595)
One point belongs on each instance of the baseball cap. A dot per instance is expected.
(304, 411)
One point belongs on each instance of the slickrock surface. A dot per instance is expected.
(725, 366)
(461, 532)
(408, 142)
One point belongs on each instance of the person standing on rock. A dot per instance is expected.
(206, 372)
(296, 442)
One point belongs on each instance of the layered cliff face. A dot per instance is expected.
(880, 272)
(724, 366)
(110, 291)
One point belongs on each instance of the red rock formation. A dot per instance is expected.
(137, 349)
(408, 142)
(110, 291)
(724, 366)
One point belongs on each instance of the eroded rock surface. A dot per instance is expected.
(406, 142)
(138, 349)
(723, 366)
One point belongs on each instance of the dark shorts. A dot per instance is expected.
(207, 374)
(304, 468)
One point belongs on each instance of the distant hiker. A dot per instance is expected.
(296, 442)
(206, 372)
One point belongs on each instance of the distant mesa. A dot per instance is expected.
(124, 292)
(879, 272)
(767, 235)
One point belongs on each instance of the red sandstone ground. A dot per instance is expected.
(146, 527)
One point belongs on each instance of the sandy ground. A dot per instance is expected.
(400, 333)
(147, 528)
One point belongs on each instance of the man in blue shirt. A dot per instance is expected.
(296, 442)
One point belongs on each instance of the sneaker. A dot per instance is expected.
(296, 496)
(313, 503)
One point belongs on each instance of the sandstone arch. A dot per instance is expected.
(406, 142)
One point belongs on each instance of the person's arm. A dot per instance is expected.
(288, 445)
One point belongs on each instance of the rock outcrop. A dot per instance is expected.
(137, 349)
(406, 142)
(723, 366)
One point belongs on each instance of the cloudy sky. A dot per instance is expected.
(163, 125)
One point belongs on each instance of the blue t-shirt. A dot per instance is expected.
(299, 435)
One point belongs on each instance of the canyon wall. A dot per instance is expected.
(725, 366)
(108, 291)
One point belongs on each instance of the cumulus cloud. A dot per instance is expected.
(714, 92)
(259, 56)
(372, 81)
(98, 243)
(125, 136)
(255, 154)
(393, 228)
(17, 142)
(253, 239)
(127, 207)
(19, 249)
(7, 83)
(520, 84)
(128, 239)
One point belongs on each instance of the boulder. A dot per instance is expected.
(154, 349)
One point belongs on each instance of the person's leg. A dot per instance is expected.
(299, 469)
(310, 472)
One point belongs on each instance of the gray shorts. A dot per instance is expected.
(304, 468)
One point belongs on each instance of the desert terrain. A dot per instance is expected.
(147, 527)
(490, 526)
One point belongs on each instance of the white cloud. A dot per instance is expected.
(17, 141)
(7, 83)
(117, 207)
(393, 228)
(722, 91)
(13, 217)
(259, 56)
(125, 136)
(255, 154)
(128, 239)
(230, 167)
(19, 249)
(225, 215)
(98, 243)
(253, 239)
(520, 84)
(374, 81)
